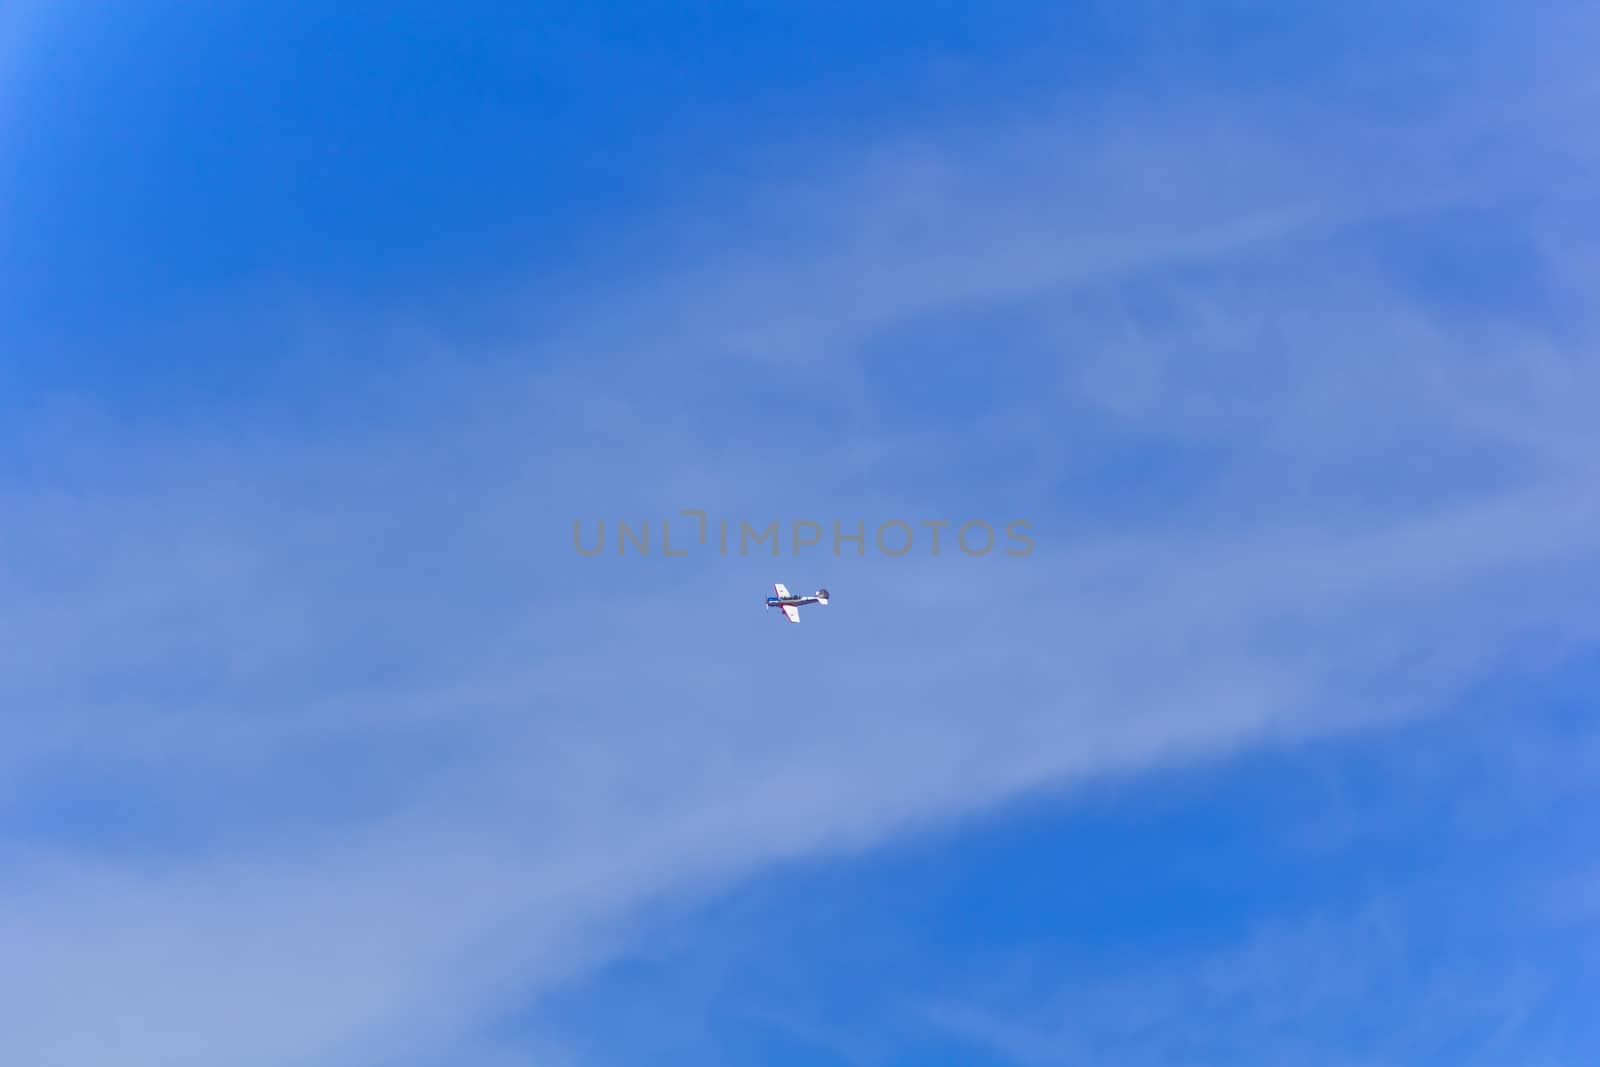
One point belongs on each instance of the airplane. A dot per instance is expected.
(791, 604)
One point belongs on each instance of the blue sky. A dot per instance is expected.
(320, 329)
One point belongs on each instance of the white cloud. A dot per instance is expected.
(1353, 988)
(259, 628)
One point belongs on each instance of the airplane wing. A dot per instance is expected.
(791, 611)
(781, 588)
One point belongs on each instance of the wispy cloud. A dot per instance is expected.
(411, 757)
(1315, 991)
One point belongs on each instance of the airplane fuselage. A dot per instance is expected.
(791, 604)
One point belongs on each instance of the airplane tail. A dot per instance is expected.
(822, 596)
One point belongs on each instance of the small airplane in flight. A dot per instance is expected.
(791, 603)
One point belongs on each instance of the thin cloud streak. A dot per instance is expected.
(342, 604)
